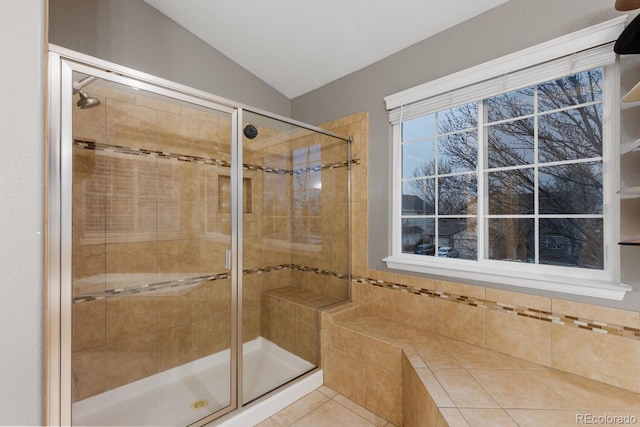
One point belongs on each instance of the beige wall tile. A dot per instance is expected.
(111, 93)
(348, 341)
(518, 336)
(592, 312)
(130, 316)
(177, 346)
(132, 257)
(348, 377)
(157, 104)
(131, 360)
(460, 289)
(178, 133)
(88, 373)
(178, 256)
(201, 113)
(460, 322)
(376, 301)
(518, 299)
(414, 310)
(214, 298)
(214, 334)
(384, 393)
(284, 331)
(383, 355)
(607, 358)
(307, 342)
(251, 322)
(178, 307)
(89, 319)
(131, 125)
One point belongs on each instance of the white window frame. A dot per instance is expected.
(462, 87)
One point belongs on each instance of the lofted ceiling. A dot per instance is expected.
(297, 46)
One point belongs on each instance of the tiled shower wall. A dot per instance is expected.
(151, 221)
(150, 181)
(595, 342)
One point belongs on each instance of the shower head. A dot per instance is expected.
(250, 131)
(86, 101)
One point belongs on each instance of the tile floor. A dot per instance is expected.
(325, 407)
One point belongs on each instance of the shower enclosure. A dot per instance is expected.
(192, 242)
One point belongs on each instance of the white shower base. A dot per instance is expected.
(166, 398)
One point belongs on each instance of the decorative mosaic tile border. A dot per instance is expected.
(173, 284)
(532, 313)
(143, 152)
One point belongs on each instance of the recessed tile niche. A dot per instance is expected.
(224, 194)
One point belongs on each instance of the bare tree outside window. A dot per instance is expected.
(542, 171)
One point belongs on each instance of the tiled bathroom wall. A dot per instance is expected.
(152, 219)
(592, 341)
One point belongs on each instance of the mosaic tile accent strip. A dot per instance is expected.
(98, 146)
(150, 287)
(532, 313)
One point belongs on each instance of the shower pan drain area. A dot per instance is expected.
(187, 393)
(199, 404)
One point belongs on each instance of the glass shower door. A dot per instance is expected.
(295, 247)
(152, 306)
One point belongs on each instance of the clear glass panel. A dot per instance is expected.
(458, 152)
(512, 239)
(419, 128)
(510, 105)
(511, 192)
(462, 117)
(151, 223)
(571, 90)
(571, 134)
(295, 247)
(571, 242)
(458, 195)
(418, 236)
(418, 197)
(571, 189)
(511, 143)
(418, 158)
(458, 238)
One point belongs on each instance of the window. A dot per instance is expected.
(504, 179)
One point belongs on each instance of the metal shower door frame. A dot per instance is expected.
(58, 328)
(58, 291)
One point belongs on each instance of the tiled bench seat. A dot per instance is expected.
(413, 377)
(290, 319)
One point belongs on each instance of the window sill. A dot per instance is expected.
(516, 276)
